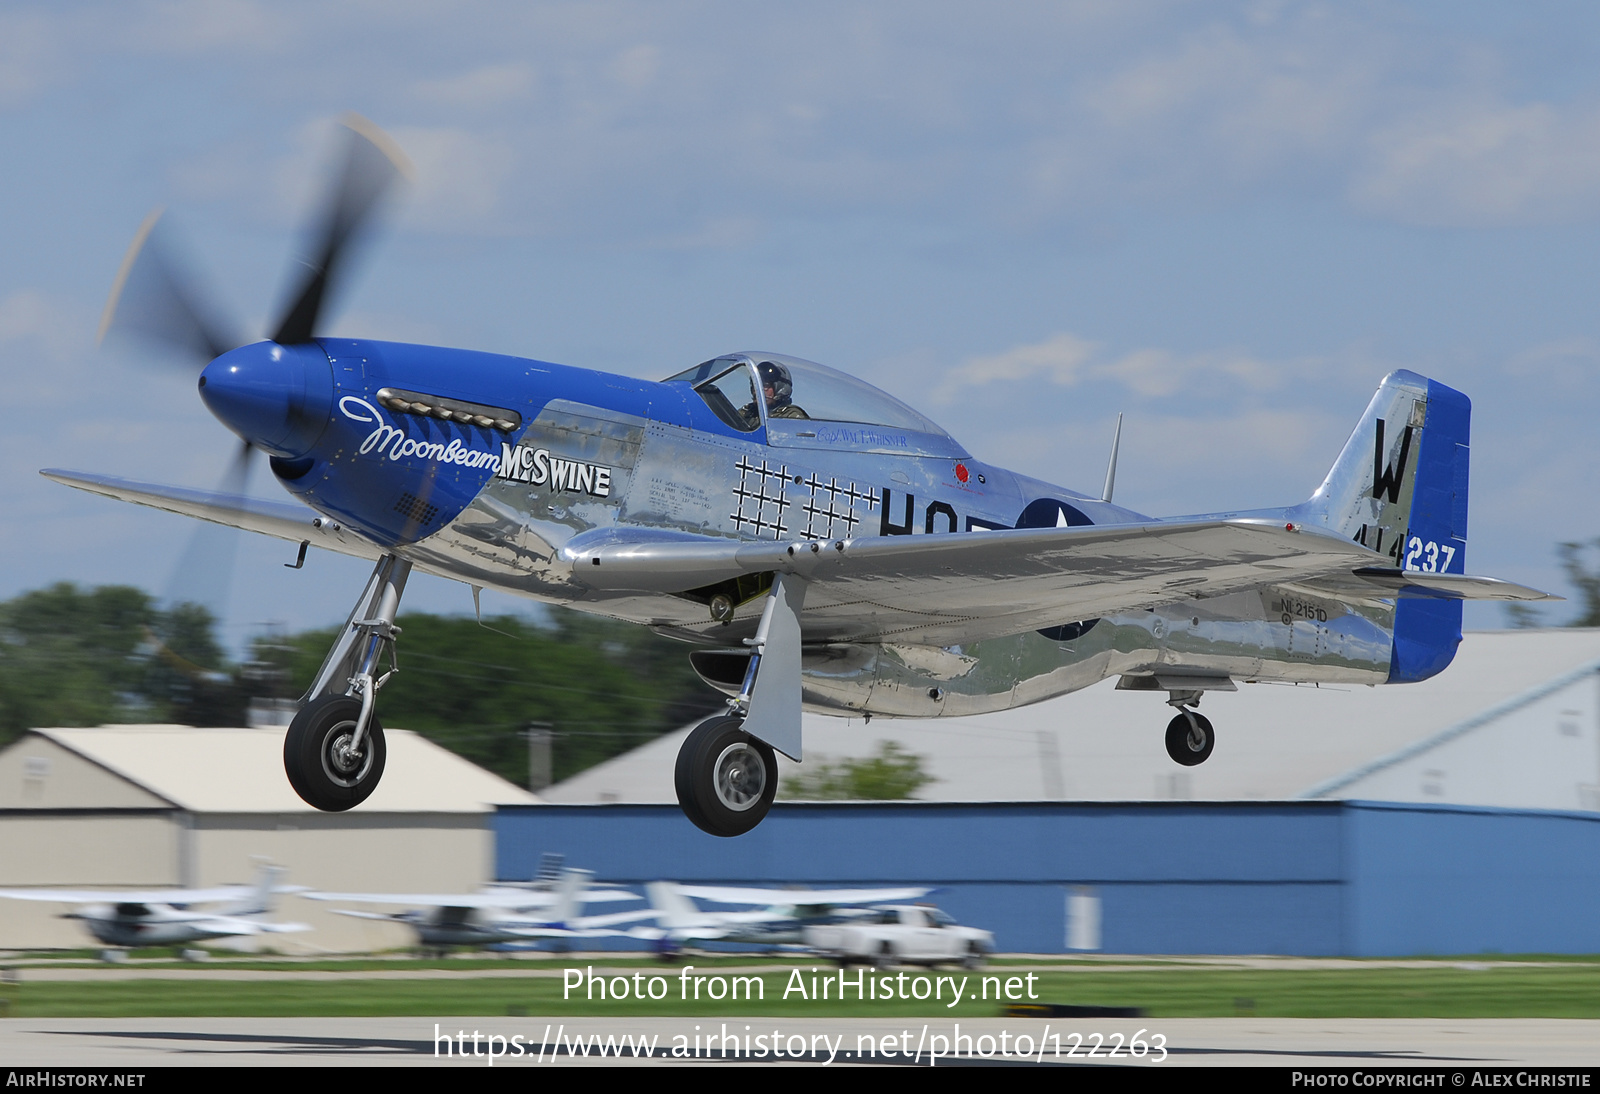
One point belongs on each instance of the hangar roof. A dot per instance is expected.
(230, 771)
(1273, 741)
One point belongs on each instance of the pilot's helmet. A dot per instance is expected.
(776, 377)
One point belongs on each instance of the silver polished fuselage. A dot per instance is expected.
(820, 480)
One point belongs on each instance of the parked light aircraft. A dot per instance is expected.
(821, 543)
(780, 918)
(167, 917)
(499, 913)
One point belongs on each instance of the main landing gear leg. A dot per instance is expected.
(1190, 737)
(727, 772)
(334, 750)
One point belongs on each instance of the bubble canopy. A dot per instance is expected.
(819, 393)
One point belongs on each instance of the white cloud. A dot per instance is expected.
(488, 86)
(1176, 464)
(183, 26)
(39, 335)
(461, 176)
(1207, 110)
(28, 56)
(229, 170)
(1488, 162)
(1045, 113)
(22, 314)
(715, 233)
(1563, 356)
(1252, 459)
(1066, 360)
(458, 176)
(1059, 359)
(636, 67)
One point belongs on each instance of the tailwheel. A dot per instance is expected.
(726, 779)
(326, 765)
(1190, 738)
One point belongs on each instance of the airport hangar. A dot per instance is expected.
(142, 807)
(1454, 816)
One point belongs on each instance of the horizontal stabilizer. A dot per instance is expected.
(1387, 582)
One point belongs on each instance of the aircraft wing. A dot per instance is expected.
(681, 934)
(945, 588)
(131, 896)
(611, 919)
(240, 926)
(272, 518)
(560, 932)
(800, 898)
(501, 899)
(387, 917)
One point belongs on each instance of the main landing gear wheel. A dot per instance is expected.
(322, 767)
(1190, 742)
(726, 779)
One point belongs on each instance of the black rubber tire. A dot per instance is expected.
(749, 775)
(309, 759)
(1182, 739)
(975, 956)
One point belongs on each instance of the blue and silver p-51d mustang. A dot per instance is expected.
(821, 544)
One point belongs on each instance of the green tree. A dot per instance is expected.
(603, 687)
(1585, 578)
(889, 774)
(76, 657)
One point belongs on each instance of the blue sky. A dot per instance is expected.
(1226, 220)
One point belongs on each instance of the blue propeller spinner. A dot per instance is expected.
(277, 398)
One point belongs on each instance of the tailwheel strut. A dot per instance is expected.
(1190, 737)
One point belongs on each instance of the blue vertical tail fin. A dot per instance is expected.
(1400, 489)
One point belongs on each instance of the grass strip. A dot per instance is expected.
(1566, 991)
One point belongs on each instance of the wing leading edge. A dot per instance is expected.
(136, 896)
(938, 589)
(291, 522)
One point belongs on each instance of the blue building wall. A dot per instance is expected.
(1450, 880)
(1317, 878)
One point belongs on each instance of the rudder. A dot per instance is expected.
(1399, 487)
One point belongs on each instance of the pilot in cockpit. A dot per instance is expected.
(777, 387)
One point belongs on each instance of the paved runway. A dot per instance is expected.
(1452, 1045)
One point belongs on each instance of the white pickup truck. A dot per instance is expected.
(904, 934)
